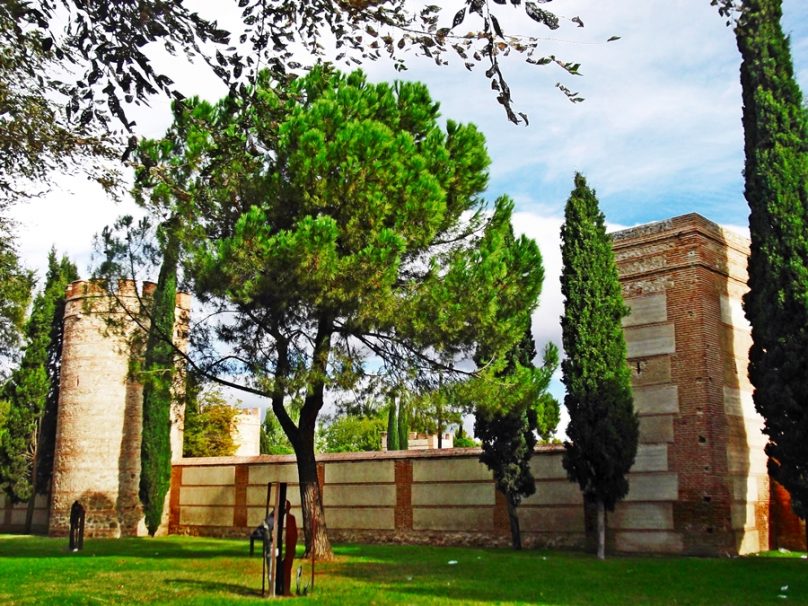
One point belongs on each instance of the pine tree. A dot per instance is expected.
(32, 392)
(158, 376)
(776, 188)
(508, 432)
(603, 428)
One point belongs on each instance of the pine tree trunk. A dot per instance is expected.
(513, 518)
(311, 501)
(601, 530)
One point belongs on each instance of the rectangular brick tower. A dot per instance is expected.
(688, 344)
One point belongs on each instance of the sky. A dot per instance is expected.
(658, 135)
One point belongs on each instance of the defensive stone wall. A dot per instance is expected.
(430, 496)
(688, 342)
(97, 453)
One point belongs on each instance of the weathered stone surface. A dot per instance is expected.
(262, 474)
(454, 518)
(207, 495)
(641, 516)
(646, 310)
(651, 457)
(453, 494)
(547, 467)
(206, 516)
(560, 492)
(748, 541)
(732, 313)
(369, 518)
(648, 541)
(656, 399)
(644, 341)
(360, 471)
(551, 519)
(248, 433)
(653, 487)
(257, 495)
(209, 476)
(743, 460)
(255, 515)
(743, 515)
(739, 403)
(432, 470)
(656, 429)
(650, 371)
(370, 494)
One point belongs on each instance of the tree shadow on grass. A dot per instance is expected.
(216, 586)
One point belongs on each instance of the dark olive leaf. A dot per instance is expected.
(541, 15)
(497, 28)
(613, 38)
(578, 21)
(458, 18)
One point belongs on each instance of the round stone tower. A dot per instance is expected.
(97, 451)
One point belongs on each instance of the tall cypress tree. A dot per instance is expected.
(776, 188)
(392, 427)
(26, 447)
(603, 428)
(158, 375)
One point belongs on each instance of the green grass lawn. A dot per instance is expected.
(181, 570)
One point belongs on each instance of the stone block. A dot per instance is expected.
(551, 519)
(656, 399)
(205, 475)
(360, 472)
(748, 541)
(650, 371)
(656, 429)
(263, 474)
(644, 341)
(739, 403)
(648, 541)
(651, 457)
(646, 310)
(653, 487)
(743, 516)
(742, 460)
(360, 518)
(747, 488)
(335, 495)
(18, 517)
(641, 516)
(555, 492)
(257, 495)
(453, 494)
(546, 466)
(469, 519)
(255, 515)
(207, 495)
(732, 313)
(451, 470)
(206, 516)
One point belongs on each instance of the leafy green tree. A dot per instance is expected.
(209, 425)
(507, 429)
(158, 381)
(337, 222)
(603, 429)
(16, 285)
(32, 392)
(272, 439)
(352, 434)
(776, 187)
(392, 427)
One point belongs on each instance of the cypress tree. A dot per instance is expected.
(158, 373)
(32, 393)
(392, 427)
(603, 428)
(403, 425)
(776, 188)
